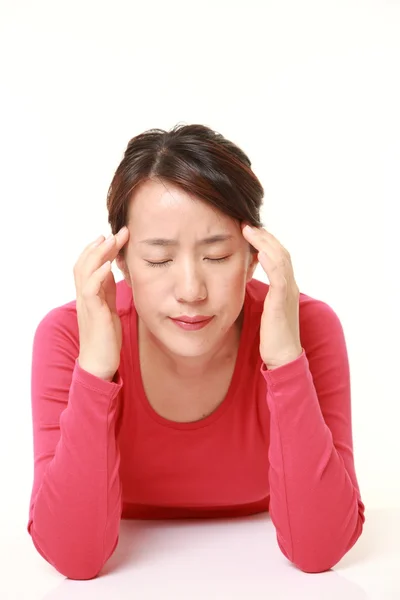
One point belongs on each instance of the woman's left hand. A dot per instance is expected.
(279, 329)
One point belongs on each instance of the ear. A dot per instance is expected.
(253, 262)
(121, 264)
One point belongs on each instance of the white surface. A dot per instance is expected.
(213, 560)
(311, 92)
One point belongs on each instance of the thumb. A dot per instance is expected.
(110, 292)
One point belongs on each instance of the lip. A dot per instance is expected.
(195, 319)
(193, 326)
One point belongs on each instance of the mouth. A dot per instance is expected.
(192, 325)
(191, 320)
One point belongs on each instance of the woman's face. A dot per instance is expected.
(191, 281)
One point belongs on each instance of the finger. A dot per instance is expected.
(121, 235)
(255, 238)
(271, 239)
(110, 291)
(96, 242)
(93, 244)
(84, 267)
(87, 249)
(264, 240)
(91, 287)
(110, 248)
(98, 252)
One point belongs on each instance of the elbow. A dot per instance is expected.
(316, 567)
(321, 562)
(79, 572)
(307, 564)
(78, 568)
(70, 568)
(317, 561)
(85, 569)
(312, 557)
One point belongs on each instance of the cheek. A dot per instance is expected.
(148, 290)
(231, 284)
(143, 275)
(146, 286)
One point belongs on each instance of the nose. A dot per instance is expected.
(190, 285)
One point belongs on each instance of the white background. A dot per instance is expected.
(310, 90)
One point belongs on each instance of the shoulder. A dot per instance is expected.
(317, 318)
(310, 308)
(318, 321)
(61, 322)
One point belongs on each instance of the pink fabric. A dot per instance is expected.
(280, 441)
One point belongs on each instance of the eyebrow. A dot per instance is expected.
(206, 241)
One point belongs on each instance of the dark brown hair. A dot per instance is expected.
(195, 158)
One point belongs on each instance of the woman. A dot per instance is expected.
(139, 414)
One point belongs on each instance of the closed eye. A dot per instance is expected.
(165, 262)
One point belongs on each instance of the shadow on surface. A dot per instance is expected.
(197, 559)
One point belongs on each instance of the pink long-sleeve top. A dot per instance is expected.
(281, 440)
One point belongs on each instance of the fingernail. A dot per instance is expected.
(97, 242)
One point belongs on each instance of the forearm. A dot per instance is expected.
(315, 503)
(77, 508)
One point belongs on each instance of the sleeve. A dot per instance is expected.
(75, 506)
(315, 502)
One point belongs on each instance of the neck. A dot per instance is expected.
(190, 368)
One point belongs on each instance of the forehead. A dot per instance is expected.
(160, 203)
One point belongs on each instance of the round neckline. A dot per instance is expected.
(233, 386)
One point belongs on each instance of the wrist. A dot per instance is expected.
(96, 372)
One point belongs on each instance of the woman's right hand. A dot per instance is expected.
(100, 332)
